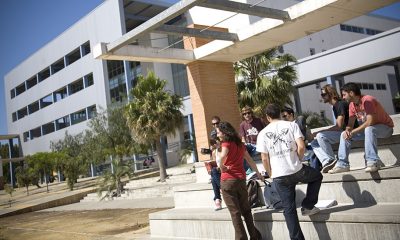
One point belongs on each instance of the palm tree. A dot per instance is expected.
(153, 113)
(265, 78)
(112, 179)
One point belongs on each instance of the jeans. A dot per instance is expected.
(286, 187)
(322, 145)
(216, 183)
(370, 136)
(234, 192)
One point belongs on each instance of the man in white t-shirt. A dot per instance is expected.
(281, 146)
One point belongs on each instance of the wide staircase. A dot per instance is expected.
(368, 205)
(150, 187)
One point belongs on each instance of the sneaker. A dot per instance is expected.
(329, 166)
(371, 168)
(308, 212)
(217, 205)
(339, 170)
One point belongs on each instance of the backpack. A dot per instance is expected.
(271, 196)
(252, 190)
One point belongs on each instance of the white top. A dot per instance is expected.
(278, 139)
(218, 157)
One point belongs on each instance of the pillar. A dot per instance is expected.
(212, 92)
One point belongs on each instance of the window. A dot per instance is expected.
(57, 66)
(31, 82)
(372, 31)
(380, 86)
(14, 116)
(62, 123)
(312, 51)
(85, 48)
(48, 128)
(75, 86)
(280, 49)
(91, 111)
(12, 93)
(33, 107)
(73, 56)
(22, 113)
(26, 136)
(20, 89)
(35, 133)
(44, 74)
(60, 94)
(116, 80)
(78, 117)
(181, 85)
(89, 80)
(46, 101)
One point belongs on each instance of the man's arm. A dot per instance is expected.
(301, 147)
(371, 119)
(266, 163)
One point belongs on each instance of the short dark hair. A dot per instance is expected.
(273, 111)
(288, 110)
(216, 118)
(351, 86)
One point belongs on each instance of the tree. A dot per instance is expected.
(266, 78)
(112, 179)
(153, 113)
(314, 120)
(43, 162)
(25, 176)
(69, 155)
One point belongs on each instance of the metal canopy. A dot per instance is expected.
(306, 17)
(246, 9)
(193, 32)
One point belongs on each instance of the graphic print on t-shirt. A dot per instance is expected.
(279, 137)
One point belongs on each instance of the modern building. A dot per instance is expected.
(61, 86)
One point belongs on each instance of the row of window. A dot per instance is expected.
(52, 69)
(355, 29)
(54, 97)
(370, 86)
(66, 121)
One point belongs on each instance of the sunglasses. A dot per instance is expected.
(285, 116)
(324, 94)
(215, 123)
(246, 113)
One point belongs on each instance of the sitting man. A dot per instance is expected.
(374, 123)
(287, 114)
(322, 144)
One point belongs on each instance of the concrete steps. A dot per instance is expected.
(380, 221)
(150, 187)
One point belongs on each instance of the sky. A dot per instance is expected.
(27, 25)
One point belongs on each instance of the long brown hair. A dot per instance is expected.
(230, 133)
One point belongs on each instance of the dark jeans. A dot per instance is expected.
(216, 183)
(235, 196)
(286, 187)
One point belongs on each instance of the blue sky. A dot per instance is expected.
(27, 25)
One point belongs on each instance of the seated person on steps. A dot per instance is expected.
(374, 123)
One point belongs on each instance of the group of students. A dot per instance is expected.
(282, 145)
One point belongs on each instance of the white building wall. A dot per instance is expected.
(101, 25)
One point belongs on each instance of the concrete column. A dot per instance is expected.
(10, 155)
(212, 92)
(1, 175)
(128, 77)
(297, 102)
(192, 132)
(331, 80)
